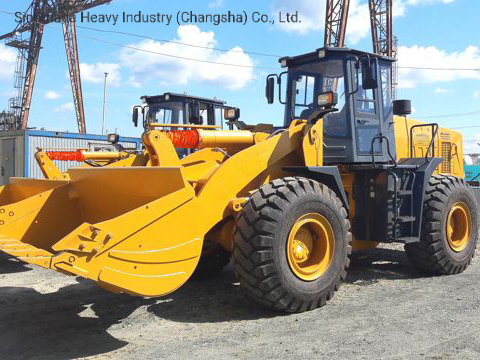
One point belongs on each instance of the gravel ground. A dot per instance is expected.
(386, 309)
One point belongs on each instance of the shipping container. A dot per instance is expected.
(472, 172)
(17, 149)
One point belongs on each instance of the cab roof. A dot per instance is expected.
(329, 51)
(168, 97)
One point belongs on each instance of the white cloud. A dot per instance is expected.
(67, 107)
(441, 91)
(174, 70)
(358, 24)
(133, 82)
(471, 146)
(215, 4)
(311, 13)
(95, 73)
(400, 6)
(432, 57)
(52, 95)
(426, 2)
(476, 94)
(8, 58)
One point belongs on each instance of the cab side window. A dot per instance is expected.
(386, 92)
(335, 124)
(364, 98)
(305, 91)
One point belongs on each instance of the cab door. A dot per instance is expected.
(367, 121)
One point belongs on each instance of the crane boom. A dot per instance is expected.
(383, 40)
(336, 22)
(38, 14)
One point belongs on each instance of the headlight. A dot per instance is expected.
(113, 138)
(231, 114)
(327, 99)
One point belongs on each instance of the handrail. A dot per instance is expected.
(381, 137)
(434, 127)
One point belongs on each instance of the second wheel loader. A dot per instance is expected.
(288, 205)
(167, 110)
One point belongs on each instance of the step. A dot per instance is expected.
(407, 239)
(405, 219)
(401, 193)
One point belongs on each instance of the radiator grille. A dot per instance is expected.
(447, 157)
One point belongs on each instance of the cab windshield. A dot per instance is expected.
(176, 112)
(167, 113)
(309, 80)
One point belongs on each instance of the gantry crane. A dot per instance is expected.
(381, 25)
(384, 43)
(336, 17)
(27, 39)
(336, 22)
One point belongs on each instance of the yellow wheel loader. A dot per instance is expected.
(168, 110)
(347, 169)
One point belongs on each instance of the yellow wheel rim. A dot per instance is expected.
(310, 246)
(458, 226)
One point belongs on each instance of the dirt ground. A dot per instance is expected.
(386, 309)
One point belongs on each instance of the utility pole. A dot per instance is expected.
(104, 103)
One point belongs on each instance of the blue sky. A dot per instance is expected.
(431, 33)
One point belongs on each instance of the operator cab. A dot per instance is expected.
(181, 109)
(351, 91)
(178, 109)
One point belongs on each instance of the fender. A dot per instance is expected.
(328, 175)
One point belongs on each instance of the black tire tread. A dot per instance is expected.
(252, 256)
(429, 254)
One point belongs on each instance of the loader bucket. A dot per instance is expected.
(115, 225)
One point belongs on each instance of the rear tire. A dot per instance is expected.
(447, 243)
(263, 245)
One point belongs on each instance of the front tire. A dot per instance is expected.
(292, 245)
(449, 228)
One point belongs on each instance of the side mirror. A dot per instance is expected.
(135, 116)
(369, 74)
(270, 90)
(194, 117)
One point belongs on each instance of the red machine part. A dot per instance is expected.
(185, 139)
(66, 155)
